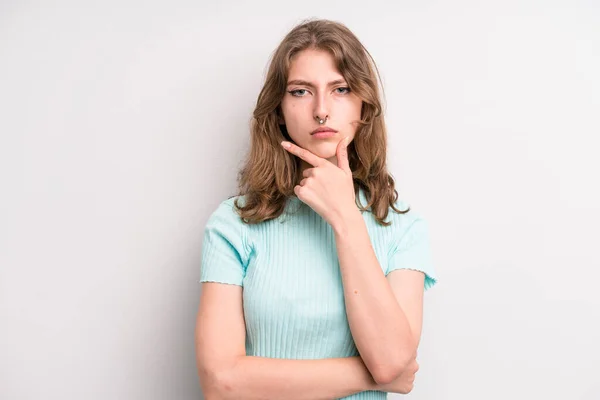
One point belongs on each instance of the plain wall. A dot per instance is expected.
(123, 125)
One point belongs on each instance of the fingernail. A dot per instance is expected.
(285, 144)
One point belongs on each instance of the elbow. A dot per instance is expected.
(217, 384)
(387, 373)
(385, 376)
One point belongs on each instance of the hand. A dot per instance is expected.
(328, 189)
(404, 383)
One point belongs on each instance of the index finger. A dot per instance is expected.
(304, 154)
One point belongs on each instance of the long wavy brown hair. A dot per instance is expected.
(270, 173)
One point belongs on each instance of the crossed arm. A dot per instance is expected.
(385, 317)
(225, 372)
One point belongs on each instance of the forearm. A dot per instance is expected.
(271, 378)
(379, 326)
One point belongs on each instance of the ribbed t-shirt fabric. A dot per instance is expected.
(293, 297)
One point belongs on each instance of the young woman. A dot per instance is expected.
(313, 275)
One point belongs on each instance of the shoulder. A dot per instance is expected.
(227, 211)
(409, 244)
(226, 226)
(401, 225)
(410, 223)
(403, 218)
(399, 221)
(226, 220)
(225, 252)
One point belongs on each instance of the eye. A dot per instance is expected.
(295, 92)
(345, 90)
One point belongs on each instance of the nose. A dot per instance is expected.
(321, 106)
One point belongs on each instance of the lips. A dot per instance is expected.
(323, 129)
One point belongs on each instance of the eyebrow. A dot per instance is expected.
(312, 85)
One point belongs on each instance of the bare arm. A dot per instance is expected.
(385, 322)
(384, 314)
(271, 378)
(225, 372)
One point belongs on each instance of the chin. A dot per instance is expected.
(323, 150)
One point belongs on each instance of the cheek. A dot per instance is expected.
(293, 120)
(295, 114)
(349, 107)
(357, 106)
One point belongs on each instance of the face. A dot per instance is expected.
(316, 88)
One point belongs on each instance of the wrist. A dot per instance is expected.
(346, 221)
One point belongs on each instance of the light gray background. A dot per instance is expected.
(123, 125)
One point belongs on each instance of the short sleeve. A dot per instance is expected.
(224, 254)
(412, 250)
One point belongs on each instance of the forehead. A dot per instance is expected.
(314, 65)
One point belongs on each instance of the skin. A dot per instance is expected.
(385, 313)
(336, 101)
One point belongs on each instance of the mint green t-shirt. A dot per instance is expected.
(288, 267)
